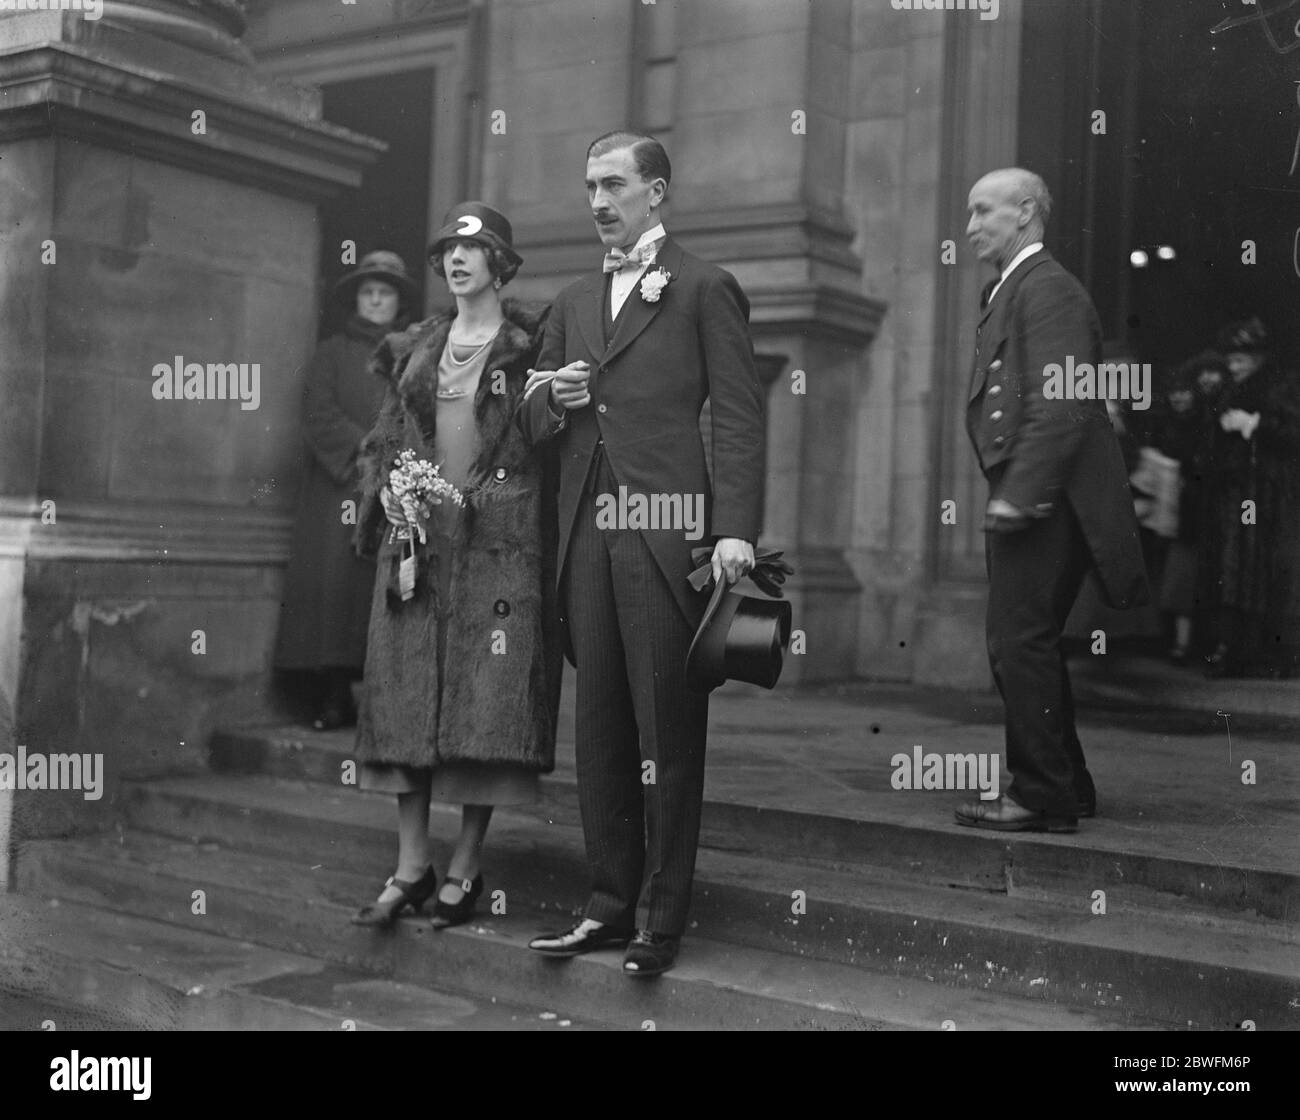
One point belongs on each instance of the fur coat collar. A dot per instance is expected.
(408, 362)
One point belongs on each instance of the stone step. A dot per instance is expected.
(71, 965)
(891, 839)
(35, 1013)
(302, 911)
(1181, 967)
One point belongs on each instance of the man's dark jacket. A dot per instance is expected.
(1037, 452)
(647, 389)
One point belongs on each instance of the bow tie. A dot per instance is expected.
(616, 259)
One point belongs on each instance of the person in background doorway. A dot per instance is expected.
(1197, 534)
(1256, 449)
(326, 602)
(1177, 431)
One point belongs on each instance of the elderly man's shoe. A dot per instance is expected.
(650, 954)
(1006, 815)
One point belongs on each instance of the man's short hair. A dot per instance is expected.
(647, 153)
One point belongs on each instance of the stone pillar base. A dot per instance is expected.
(129, 523)
(950, 651)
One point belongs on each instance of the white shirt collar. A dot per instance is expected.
(650, 236)
(1027, 251)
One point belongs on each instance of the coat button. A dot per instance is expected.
(501, 607)
(995, 365)
(501, 474)
(994, 390)
(998, 441)
(600, 408)
(996, 414)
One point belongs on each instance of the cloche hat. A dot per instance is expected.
(477, 221)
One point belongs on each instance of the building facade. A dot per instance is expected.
(200, 167)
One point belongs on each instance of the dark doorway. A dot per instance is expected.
(1219, 126)
(390, 210)
(1202, 131)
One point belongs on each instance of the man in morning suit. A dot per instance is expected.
(635, 349)
(1059, 500)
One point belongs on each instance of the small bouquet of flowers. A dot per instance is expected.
(418, 487)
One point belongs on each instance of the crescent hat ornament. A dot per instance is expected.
(476, 221)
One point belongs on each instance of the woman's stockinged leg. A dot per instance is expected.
(412, 838)
(464, 864)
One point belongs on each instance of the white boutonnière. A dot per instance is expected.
(653, 284)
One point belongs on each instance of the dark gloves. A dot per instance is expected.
(768, 573)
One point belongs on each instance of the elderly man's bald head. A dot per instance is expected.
(1009, 209)
(1017, 185)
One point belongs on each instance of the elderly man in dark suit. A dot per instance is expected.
(1059, 500)
(630, 354)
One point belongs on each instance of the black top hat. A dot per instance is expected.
(476, 221)
(741, 637)
(384, 265)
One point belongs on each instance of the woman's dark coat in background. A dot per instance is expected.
(326, 597)
(500, 690)
(1256, 568)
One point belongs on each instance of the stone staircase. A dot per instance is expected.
(801, 921)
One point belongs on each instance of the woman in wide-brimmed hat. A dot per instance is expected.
(462, 670)
(1255, 571)
(326, 599)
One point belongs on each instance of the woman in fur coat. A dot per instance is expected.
(462, 678)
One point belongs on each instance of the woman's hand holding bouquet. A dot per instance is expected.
(414, 488)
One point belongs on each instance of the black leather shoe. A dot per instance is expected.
(650, 954)
(1087, 806)
(447, 914)
(585, 937)
(1007, 815)
(414, 895)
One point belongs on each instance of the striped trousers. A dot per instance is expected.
(640, 734)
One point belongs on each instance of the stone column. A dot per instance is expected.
(158, 205)
(981, 96)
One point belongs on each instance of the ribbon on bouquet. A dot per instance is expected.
(405, 566)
